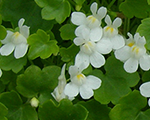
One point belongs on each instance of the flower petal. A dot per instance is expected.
(123, 53)
(78, 41)
(145, 62)
(131, 65)
(145, 89)
(108, 20)
(149, 101)
(96, 34)
(93, 82)
(104, 46)
(7, 49)
(24, 30)
(82, 58)
(93, 8)
(78, 18)
(101, 12)
(71, 90)
(79, 29)
(8, 37)
(117, 23)
(140, 41)
(21, 21)
(86, 92)
(73, 70)
(20, 50)
(117, 42)
(97, 60)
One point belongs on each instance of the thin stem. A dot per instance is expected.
(112, 2)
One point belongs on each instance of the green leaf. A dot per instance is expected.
(129, 107)
(67, 32)
(96, 110)
(115, 83)
(144, 29)
(3, 112)
(69, 53)
(64, 111)
(16, 110)
(34, 80)
(41, 46)
(55, 9)
(137, 8)
(11, 63)
(2, 87)
(27, 10)
(144, 115)
(3, 32)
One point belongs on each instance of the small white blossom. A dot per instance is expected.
(89, 51)
(58, 92)
(134, 54)
(80, 83)
(16, 42)
(145, 90)
(92, 21)
(111, 32)
(34, 102)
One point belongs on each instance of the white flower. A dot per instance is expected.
(34, 102)
(92, 21)
(89, 51)
(16, 42)
(145, 90)
(58, 92)
(111, 32)
(80, 83)
(134, 54)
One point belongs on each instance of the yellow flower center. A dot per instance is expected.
(135, 49)
(16, 34)
(130, 44)
(110, 28)
(80, 76)
(93, 19)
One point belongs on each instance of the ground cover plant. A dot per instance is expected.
(74, 60)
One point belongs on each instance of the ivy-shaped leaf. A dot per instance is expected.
(115, 83)
(96, 110)
(11, 63)
(41, 46)
(3, 112)
(129, 108)
(16, 109)
(34, 80)
(27, 10)
(144, 29)
(69, 53)
(55, 9)
(64, 111)
(135, 8)
(67, 32)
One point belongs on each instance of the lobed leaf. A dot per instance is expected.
(3, 112)
(54, 9)
(64, 111)
(115, 83)
(16, 110)
(41, 46)
(129, 107)
(34, 80)
(135, 8)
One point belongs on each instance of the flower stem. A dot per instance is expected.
(112, 2)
